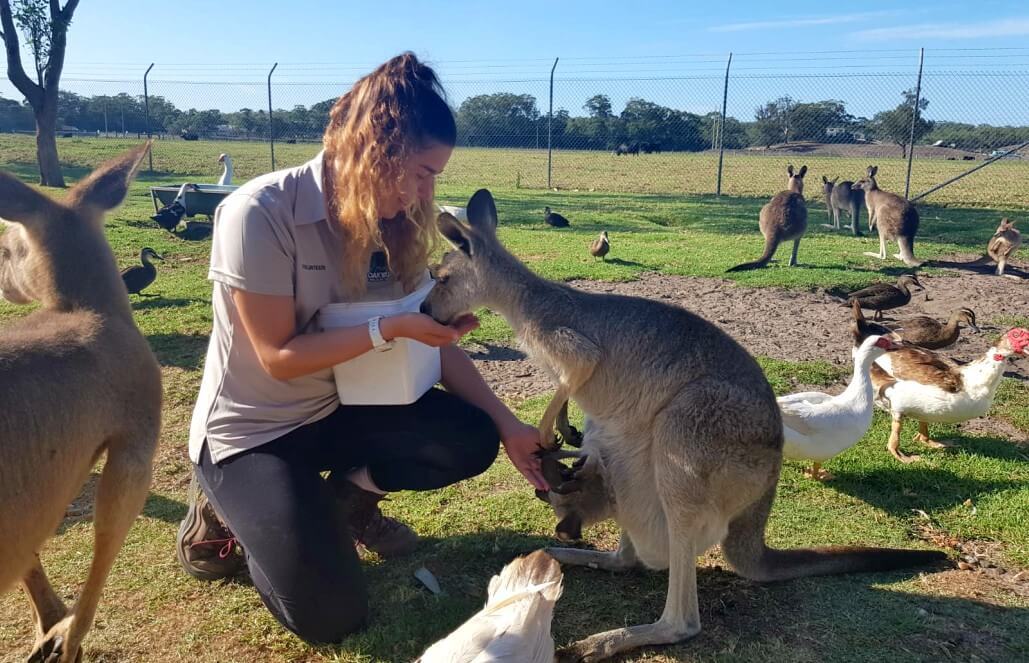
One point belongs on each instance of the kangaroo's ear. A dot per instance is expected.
(106, 187)
(872, 170)
(482, 211)
(20, 203)
(803, 171)
(456, 233)
(789, 170)
(834, 180)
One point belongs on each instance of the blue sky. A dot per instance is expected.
(229, 47)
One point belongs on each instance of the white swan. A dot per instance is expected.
(226, 177)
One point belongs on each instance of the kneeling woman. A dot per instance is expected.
(356, 223)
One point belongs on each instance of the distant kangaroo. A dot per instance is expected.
(1003, 245)
(840, 197)
(894, 217)
(683, 435)
(782, 218)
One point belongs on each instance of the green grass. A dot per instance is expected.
(978, 490)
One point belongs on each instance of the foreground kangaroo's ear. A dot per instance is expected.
(482, 211)
(105, 188)
(20, 203)
(455, 233)
(835, 179)
(872, 170)
(803, 171)
(789, 170)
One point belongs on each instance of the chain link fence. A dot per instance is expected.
(697, 124)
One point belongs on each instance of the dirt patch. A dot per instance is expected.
(789, 324)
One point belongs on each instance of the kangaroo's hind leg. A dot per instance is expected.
(793, 256)
(120, 495)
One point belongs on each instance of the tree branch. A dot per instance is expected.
(15, 71)
(58, 41)
(68, 11)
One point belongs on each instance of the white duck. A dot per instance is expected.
(515, 623)
(226, 162)
(818, 426)
(919, 384)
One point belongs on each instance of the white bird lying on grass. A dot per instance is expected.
(515, 623)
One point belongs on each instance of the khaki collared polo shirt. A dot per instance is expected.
(270, 237)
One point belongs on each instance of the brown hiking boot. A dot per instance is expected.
(205, 547)
(382, 535)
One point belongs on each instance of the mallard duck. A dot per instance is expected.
(922, 385)
(600, 246)
(817, 426)
(140, 276)
(928, 333)
(880, 297)
(861, 327)
(554, 219)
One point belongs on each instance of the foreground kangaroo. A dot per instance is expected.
(841, 196)
(782, 218)
(683, 437)
(894, 217)
(77, 382)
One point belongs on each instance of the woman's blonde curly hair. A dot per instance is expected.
(388, 115)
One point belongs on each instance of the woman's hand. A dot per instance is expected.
(424, 329)
(521, 442)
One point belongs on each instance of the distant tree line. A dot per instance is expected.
(505, 119)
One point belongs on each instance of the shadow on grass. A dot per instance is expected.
(494, 352)
(978, 268)
(179, 350)
(795, 620)
(917, 486)
(164, 509)
(162, 302)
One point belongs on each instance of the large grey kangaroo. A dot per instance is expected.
(683, 437)
(783, 218)
(77, 381)
(893, 216)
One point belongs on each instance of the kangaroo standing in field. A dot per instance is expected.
(842, 197)
(783, 218)
(683, 438)
(894, 217)
(1003, 245)
(77, 381)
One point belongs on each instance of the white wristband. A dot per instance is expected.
(378, 341)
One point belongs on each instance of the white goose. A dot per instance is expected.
(514, 625)
(818, 426)
(226, 162)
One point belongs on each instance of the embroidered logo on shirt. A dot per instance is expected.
(378, 270)
(313, 268)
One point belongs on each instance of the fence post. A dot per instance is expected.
(271, 124)
(914, 121)
(721, 128)
(146, 107)
(550, 122)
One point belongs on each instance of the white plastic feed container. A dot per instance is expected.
(396, 377)
(459, 213)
